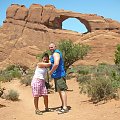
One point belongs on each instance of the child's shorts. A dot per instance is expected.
(38, 87)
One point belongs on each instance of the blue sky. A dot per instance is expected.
(105, 8)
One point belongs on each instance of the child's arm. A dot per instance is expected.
(42, 64)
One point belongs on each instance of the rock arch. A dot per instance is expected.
(49, 16)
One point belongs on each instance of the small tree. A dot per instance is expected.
(72, 52)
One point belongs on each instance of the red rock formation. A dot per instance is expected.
(27, 32)
(53, 18)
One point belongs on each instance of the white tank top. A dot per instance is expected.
(40, 73)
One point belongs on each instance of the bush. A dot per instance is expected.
(6, 76)
(10, 67)
(117, 55)
(99, 89)
(14, 71)
(84, 78)
(115, 78)
(12, 95)
(100, 83)
(9, 73)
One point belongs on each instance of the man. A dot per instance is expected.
(57, 72)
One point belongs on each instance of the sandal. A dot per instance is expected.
(62, 111)
(49, 110)
(38, 112)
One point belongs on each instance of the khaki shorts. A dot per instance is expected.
(60, 84)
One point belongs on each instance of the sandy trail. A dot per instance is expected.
(81, 109)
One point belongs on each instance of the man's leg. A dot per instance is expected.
(63, 97)
(61, 87)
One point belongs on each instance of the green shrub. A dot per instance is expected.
(2, 78)
(10, 67)
(5, 77)
(14, 71)
(83, 71)
(9, 73)
(117, 55)
(84, 78)
(115, 78)
(12, 95)
(102, 82)
(100, 89)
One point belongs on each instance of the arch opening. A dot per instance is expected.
(74, 24)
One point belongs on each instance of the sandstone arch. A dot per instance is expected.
(52, 18)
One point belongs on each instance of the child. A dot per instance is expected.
(38, 84)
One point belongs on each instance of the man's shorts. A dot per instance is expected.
(60, 84)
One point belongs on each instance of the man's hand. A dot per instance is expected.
(50, 73)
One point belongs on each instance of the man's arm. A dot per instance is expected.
(56, 62)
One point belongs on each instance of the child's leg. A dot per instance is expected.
(36, 102)
(37, 111)
(46, 104)
(46, 101)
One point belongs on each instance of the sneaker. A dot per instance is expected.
(49, 110)
(38, 112)
(62, 111)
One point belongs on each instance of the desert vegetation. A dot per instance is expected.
(100, 83)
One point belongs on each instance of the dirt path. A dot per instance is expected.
(81, 109)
